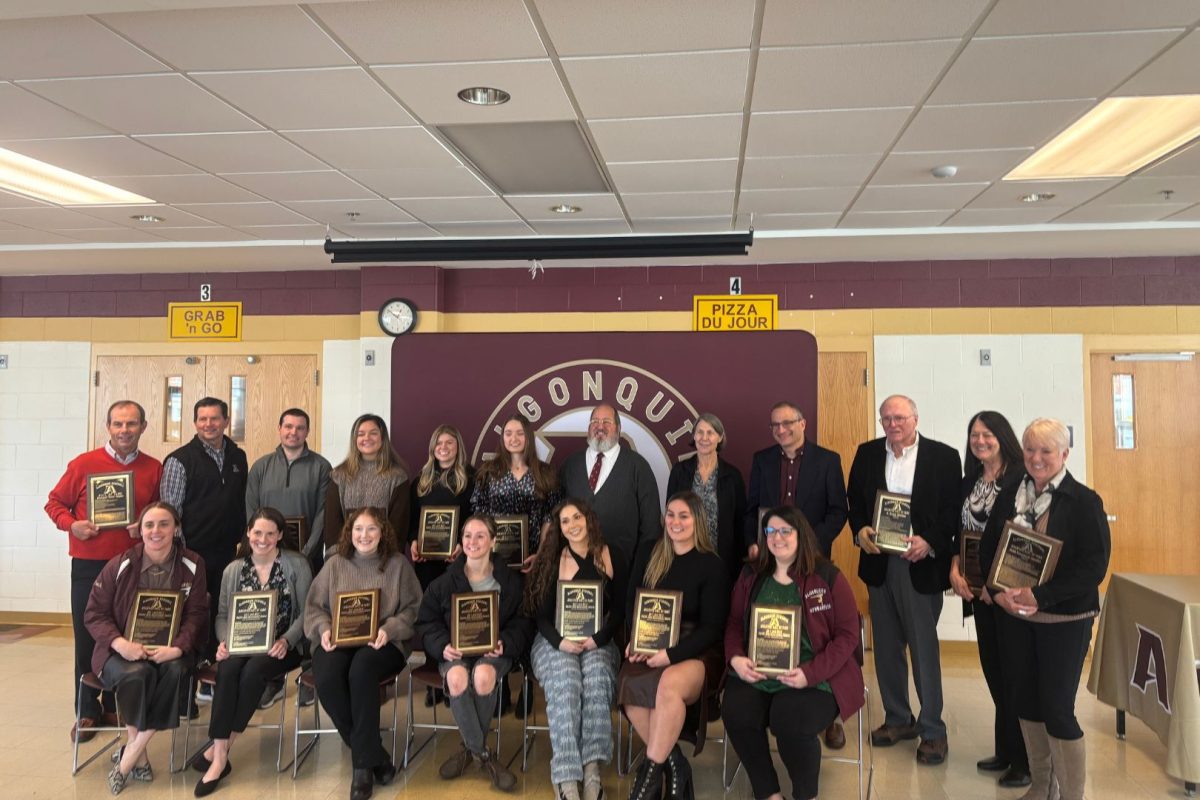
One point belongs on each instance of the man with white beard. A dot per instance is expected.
(617, 483)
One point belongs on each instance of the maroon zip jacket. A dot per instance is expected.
(831, 621)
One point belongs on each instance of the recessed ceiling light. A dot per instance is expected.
(563, 208)
(146, 218)
(945, 171)
(484, 96)
(37, 179)
(1037, 197)
(1117, 137)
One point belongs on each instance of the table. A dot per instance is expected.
(1147, 661)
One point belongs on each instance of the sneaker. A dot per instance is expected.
(501, 777)
(456, 764)
(272, 694)
(204, 693)
(308, 696)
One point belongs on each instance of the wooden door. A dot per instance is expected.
(1149, 488)
(166, 386)
(258, 389)
(843, 415)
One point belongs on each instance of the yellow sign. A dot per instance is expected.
(205, 322)
(728, 312)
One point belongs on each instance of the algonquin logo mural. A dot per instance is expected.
(658, 382)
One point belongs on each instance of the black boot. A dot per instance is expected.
(649, 783)
(362, 784)
(679, 776)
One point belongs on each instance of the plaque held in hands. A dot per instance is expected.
(437, 532)
(774, 638)
(579, 609)
(474, 622)
(110, 499)
(355, 617)
(1024, 558)
(656, 616)
(154, 618)
(512, 539)
(252, 623)
(892, 522)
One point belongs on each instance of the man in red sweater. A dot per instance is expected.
(91, 547)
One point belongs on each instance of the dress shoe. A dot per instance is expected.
(384, 773)
(887, 735)
(200, 763)
(1015, 778)
(932, 751)
(84, 734)
(835, 736)
(205, 788)
(992, 764)
(362, 784)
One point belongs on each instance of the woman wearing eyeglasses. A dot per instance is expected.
(827, 683)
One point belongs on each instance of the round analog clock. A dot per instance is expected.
(397, 316)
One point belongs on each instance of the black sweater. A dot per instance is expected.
(613, 610)
(705, 586)
(439, 495)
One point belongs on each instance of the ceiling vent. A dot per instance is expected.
(530, 157)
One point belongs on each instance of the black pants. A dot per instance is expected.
(147, 693)
(240, 684)
(1009, 743)
(795, 716)
(214, 567)
(84, 572)
(1049, 658)
(348, 687)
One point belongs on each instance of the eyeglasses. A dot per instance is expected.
(787, 423)
(894, 420)
(769, 532)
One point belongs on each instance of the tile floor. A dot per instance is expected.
(35, 751)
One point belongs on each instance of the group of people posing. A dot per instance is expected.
(210, 527)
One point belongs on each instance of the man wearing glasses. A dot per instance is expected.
(807, 476)
(905, 590)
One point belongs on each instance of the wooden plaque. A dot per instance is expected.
(252, 623)
(1024, 558)
(110, 499)
(512, 539)
(295, 533)
(774, 638)
(356, 617)
(437, 532)
(579, 609)
(968, 560)
(154, 618)
(892, 521)
(656, 616)
(474, 622)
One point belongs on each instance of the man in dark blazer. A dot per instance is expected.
(798, 473)
(617, 483)
(905, 590)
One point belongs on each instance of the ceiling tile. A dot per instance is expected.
(110, 235)
(1189, 215)
(290, 186)
(536, 207)
(457, 209)
(335, 212)
(1095, 212)
(905, 198)
(102, 156)
(27, 236)
(13, 200)
(810, 133)
(853, 76)
(674, 176)
(806, 171)
(231, 38)
(1046, 67)
(345, 97)
(635, 26)
(240, 215)
(894, 219)
(288, 232)
(236, 152)
(1168, 74)
(1148, 190)
(1067, 194)
(376, 148)
(120, 215)
(683, 225)
(795, 201)
(794, 222)
(402, 230)
(990, 127)
(581, 227)
(471, 229)
(63, 47)
(431, 91)
(205, 233)
(47, 218)
(787, 22)
(683, 204)
(659, 85)
(27, 116)
(668, 138)
(183, 188)
(1032, 215)
(144, 104)
(1071, 16)
(973, 165)
(433, 30)
(422, 182)
(1186, 163)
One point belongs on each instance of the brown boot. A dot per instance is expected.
(502, 779)
(1070, 766)
(1041, 766)
(835, 736)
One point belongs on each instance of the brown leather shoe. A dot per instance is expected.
(887, 735)
(835, 736)
(84, 734)
(932, 751)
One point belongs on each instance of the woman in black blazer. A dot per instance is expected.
(993, 464)
(720, 486)
(1047, 629)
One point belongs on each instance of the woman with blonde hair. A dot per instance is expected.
(446, 479)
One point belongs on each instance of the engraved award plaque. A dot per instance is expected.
(656, 615)
(512, 539)
(110, 499)
(774, 638)
(252, 623)
(154, 618)
(355, 617)
(474, 622)
(1024, 558)
(437, 531)
(295, 533)
(892, 521)
(579, 609)
(968, 560)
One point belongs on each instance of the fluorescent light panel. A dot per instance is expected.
(1117, 137)
(37, 179)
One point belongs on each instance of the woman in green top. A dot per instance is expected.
(827, 681)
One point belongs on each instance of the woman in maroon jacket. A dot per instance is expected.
(800, 703)
(146, 681)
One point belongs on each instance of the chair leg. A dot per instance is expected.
(191, 688)
(282, 722)
(304, 751)
(395, 714)
(102, 748)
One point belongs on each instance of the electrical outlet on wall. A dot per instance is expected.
(369, 358)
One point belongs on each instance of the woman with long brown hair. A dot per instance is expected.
(372, 476)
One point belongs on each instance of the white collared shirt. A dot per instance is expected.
(900, 469)
(124, 461)
(606, 466)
